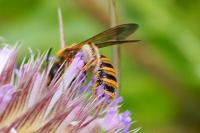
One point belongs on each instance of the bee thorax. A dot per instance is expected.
(91, 53)
(87, 53)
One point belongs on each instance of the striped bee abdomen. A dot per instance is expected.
(106, 76)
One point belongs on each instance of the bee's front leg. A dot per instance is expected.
(89, 65)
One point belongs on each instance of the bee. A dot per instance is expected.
(100, 65)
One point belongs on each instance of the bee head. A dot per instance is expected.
(68, 54)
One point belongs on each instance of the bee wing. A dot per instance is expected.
(119, 32)
(115, 42)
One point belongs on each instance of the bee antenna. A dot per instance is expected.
(48, 53)
(61, 29)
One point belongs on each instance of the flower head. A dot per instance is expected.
(29, 104)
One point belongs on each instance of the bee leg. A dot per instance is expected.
(89, 65)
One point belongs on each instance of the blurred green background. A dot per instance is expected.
(160, 76)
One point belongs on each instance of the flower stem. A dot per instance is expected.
(116, 51)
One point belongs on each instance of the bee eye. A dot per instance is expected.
(71, 53)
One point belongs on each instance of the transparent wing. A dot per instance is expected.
(113, 35)
(117, 42)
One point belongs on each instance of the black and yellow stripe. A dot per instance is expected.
(106, 76)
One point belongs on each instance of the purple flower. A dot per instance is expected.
(29, 104)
